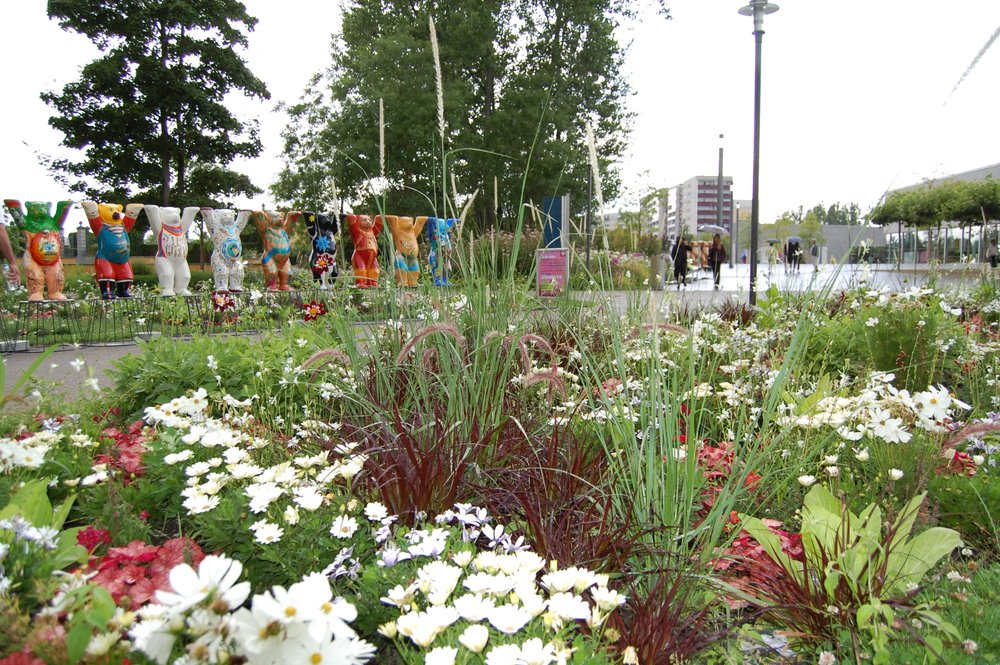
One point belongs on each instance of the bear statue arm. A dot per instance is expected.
(187, 217)
(290, 219)
(334, 224)
(241, 220)
(208, 214)
(62, 212)
(153, 213)
(418, 226)
(377, 227)
(260, 222)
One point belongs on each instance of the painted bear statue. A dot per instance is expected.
(170, 228)
(111, 264)
(405, 231)
(225, 227)
(43, 233)
(365, 257)
(273, 228)
(439, 258)
(322, 230)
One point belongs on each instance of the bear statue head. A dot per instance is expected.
(38, 211)
(170, 216)
(111, 213)
(225, 217)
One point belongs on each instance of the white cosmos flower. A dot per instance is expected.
(509, 618)
(325, 614)
(376, 512)
(560, 580)
(607, 599)
(536, 652)
(154, 639)
(174, 458)
(343, 527)
(262, 495)
(506, 654)
(474, 607)
(437, 580)
(399, 596)
(441, 656)
(462, 558)
(268, 533)
(498, 584)
(474, 637)
(308, 497)
(257, 638)
(200, 503)
(216, 576)
(568, 606)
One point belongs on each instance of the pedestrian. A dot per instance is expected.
(814, 255)
(716, 257)
(13, 275)
(991, 253)
(795, 255)
(680, 257)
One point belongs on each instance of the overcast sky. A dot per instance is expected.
(857, 97)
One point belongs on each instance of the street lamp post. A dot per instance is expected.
(758, 9)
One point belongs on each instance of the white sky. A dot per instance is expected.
(853, 93)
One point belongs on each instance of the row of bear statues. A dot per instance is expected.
(112, 222)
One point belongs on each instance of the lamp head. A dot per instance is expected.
(758, 9)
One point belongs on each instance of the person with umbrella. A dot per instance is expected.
(793, 253)
(716, 257)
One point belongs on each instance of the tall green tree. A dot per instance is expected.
(520, 80)
(149, 114)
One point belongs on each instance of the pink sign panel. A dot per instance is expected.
(553, 271)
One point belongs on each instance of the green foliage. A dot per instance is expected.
(955, 201)
(164, 371)
(864, 572)
(971, 506)
(899, 337)
(32, 556)
(150, 112)
(519, 80)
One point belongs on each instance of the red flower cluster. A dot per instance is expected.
(222, 302)
(716, 463)
(746, 563)
(91, 538)
(958, 463)
(313, 310)
(21, 658)
(126, 451)
(137, 570)
(108, 414)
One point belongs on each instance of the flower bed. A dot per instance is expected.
(497, 484)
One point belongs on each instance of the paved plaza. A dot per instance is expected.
(699, 292)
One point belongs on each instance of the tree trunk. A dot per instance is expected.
(164, 128)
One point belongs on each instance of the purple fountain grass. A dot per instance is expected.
(423, 333)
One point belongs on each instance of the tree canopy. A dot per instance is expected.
(149, 114)
(844, 214)
(964, 202)
(520, 80)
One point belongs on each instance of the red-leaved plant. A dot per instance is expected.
(125, 451)
(133, 574)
